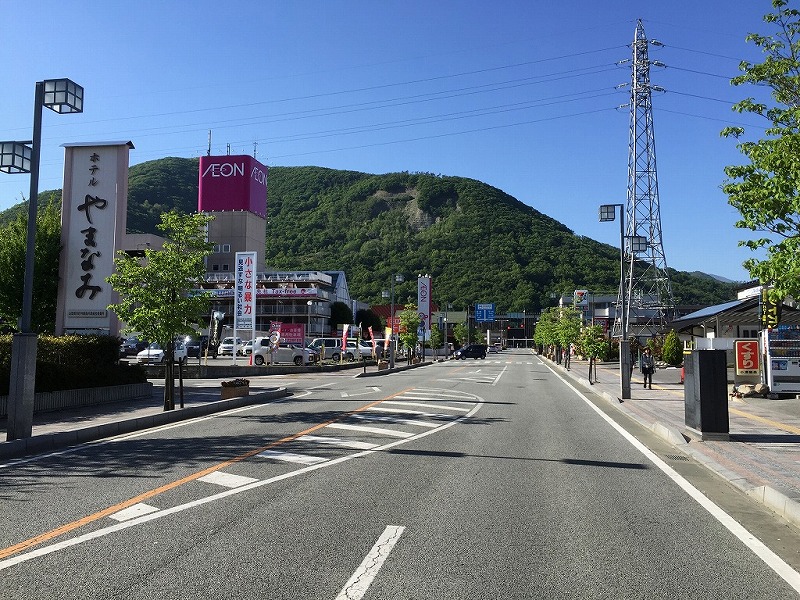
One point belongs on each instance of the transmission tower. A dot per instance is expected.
(648, 298)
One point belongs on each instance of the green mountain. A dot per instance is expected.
(478, 243)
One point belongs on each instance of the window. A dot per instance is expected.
(215, 267)
(226, 248)
(225, 268)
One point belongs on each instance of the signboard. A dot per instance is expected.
(579, 297)
(747, 357)
(244, 298)
(232, 183)
(484, 313)
(93, 216)
(770, 311)
(293, 333)
(424, 300)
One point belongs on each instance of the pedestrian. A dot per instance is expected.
(567, 356)
(648, 368)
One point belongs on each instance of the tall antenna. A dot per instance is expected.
(208, 152)
(649, 301)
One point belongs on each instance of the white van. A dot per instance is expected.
(331, 347)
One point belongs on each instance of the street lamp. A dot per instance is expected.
(608, 212)
(61, 96)
(310, 302)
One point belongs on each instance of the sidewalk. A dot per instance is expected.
(59, 429)
(762, 456)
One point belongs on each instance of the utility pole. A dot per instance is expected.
(649, 302)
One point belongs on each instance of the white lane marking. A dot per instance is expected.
(365, 429)
(354, 394)
(499, 375)
(424, 405)
(302, 459)
(382, 419)
(359, 582)
(772, 560)
(132, 512)
(334, 441)
(228, 480)
(98, 533)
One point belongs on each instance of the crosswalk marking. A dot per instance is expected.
(408, 411)
(340, 442)
(228, 480)
(424, 405)
(365, 429)
(137, 510)
(303, 459)
(383, 419)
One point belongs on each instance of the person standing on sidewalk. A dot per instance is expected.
(648, 368)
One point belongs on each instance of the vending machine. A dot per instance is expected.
(782, 359)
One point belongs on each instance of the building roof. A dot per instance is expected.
(745, 311)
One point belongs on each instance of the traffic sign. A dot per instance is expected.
(484, 313)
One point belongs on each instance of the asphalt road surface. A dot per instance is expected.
(462, 480)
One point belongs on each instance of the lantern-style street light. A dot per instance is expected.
(61, 96)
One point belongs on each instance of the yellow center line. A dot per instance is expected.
(44, 537)
(770, 422)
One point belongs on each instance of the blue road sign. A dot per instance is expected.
(484, 313)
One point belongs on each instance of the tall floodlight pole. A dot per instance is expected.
(650, 303)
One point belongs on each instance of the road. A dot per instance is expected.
(466, 479)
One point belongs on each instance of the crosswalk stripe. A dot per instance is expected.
(228, 480)
(408, 411)
(303, 459)
(365, 429)
(334, 441)
(402, 421)
(137, 510)
(424, 405)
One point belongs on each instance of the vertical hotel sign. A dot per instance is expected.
(244, 300)
(93, 218)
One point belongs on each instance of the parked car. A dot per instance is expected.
(283, 354)
(230, 346)
(154, 353)
(196, 346)
(131, 346)
(493, 348)
(475, 351)
(247, 347)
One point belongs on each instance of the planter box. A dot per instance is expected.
(228, 392)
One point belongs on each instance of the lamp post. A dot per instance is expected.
(61, 96)
(608, 212)
(310, 303)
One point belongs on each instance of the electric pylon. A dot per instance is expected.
(649, 303)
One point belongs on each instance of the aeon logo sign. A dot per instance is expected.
(259, 176)
(224, 170)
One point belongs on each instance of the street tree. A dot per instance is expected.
(158, 296)
(461, 333)
(765, 191)
(409, 324)
(13, 244)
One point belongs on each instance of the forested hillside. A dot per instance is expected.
(478, 243)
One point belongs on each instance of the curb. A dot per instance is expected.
(55, 441)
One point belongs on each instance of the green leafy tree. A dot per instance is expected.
(672, 351)
(593, 342)
(13, 244)
(155, 291)
(436, 336)
(409, 323)
(368, 319)
(546, 333)
(461, 333)
(765, 190)
(568, 326)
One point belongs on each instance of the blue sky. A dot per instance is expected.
(519, 94)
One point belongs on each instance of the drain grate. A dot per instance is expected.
(676, 457)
